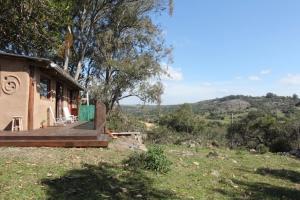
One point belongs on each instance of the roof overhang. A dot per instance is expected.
(48, 64)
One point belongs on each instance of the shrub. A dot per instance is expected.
(154, 159)
(182, 120)
(162, 135)
(119, 121)
(279, 134)
(281, 145)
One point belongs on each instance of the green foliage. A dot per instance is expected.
(182, 120)
(128, 52)
(118, 121)
(163, 135)
(238, 105)
(259, 129)
(154, 159)
(33, 27)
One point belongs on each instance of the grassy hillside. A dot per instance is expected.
(234, 104)
(53, 173)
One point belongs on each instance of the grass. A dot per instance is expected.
(53, 173)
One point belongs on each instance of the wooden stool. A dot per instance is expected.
(17, 123)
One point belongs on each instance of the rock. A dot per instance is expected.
(232, 184)
(124, 190)
(252, 151)
(234, 161)
(212, 154)
(139, 196)
(196, 163)
(215, 173)
(192, 145)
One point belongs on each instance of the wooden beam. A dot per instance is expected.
(53, 143)
(100, 118)
(31, 98)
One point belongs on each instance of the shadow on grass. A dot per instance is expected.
(259, 191)
(104, 182)
(290, 175)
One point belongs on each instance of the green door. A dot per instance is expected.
(86, 113)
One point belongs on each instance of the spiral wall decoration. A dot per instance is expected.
(10, 84)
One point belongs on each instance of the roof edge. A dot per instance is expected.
(52, 65)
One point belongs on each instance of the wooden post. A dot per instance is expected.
(31, 98)
(100, 118)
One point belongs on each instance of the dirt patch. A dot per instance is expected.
(127, 143)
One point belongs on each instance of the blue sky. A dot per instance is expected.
(224, 47)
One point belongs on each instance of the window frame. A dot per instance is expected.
(48, 84)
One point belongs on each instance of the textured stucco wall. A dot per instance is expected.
(14, 83)
(41, 104)
(14, 94)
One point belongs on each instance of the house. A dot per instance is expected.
(30, 87)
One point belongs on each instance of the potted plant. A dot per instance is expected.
(43, 124)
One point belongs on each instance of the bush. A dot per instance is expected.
(154, 160)
(279, 134)
(119, 121)
(162, 135)
(281, 145)
(182, 120)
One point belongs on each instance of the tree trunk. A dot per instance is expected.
(78, 70)
(68, 44)
(67, 55)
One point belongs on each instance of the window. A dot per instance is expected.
(45, 87)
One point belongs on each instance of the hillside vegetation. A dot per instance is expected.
(235, 104)
(264, 123)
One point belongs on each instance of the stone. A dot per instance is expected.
(196, 163)
(252, 151)
(212, 154)
(215, 173)
(234, 161)
(124, 190)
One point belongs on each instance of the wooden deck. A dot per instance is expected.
(72, 135)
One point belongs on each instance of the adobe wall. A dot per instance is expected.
(42, 104)
(14, 91)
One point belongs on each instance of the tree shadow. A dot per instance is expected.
(104, 182)
(290, 175)
(259, 191)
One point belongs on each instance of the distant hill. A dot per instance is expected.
(228, 104)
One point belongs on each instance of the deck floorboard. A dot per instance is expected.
(72, 135)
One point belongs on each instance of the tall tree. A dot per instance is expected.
(88, 18)
(32, 27)
(129, 51)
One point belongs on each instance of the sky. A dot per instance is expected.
(225, 47)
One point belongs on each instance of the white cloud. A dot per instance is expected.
(291, 79)
(265, 72)
(172, 73)
(254, 78)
